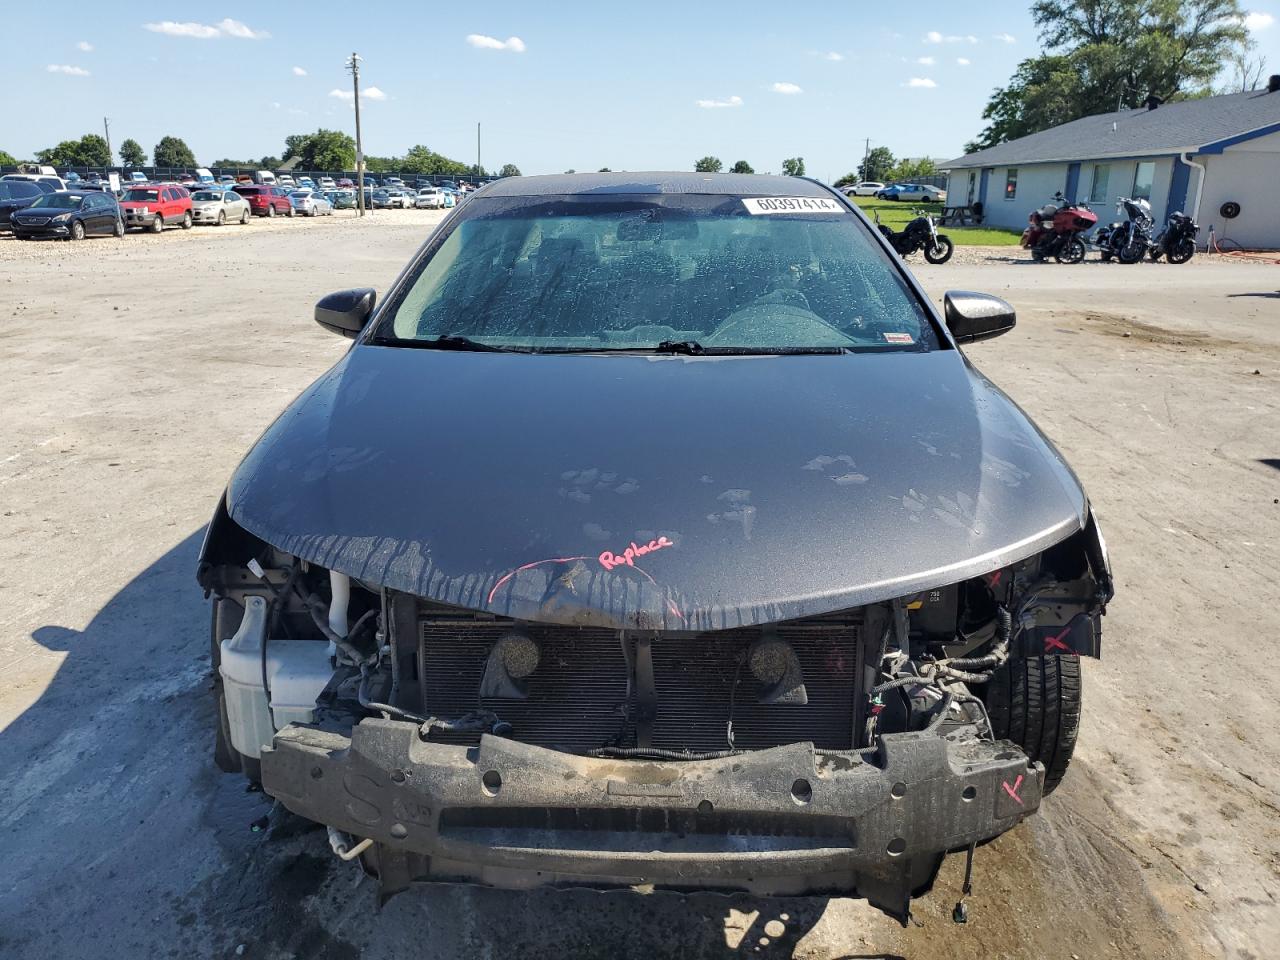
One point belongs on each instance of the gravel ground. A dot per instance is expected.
(137, 372)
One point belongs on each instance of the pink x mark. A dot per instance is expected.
(1055, 643)
(1013, 791)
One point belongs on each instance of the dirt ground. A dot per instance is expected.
(133, 376)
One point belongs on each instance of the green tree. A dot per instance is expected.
(571, 170)
(89, 151)
(269, 162)
(132, 154)
(876, 165)
(323, 150)
(847, 180)
(173, 152)
(422, 159)
(708, 165)
(741, 167)
(793, 167)
(509, 170)
(906, 169)
(7, 160)
(604, 170)
(1105, 55)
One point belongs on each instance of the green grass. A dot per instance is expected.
(896, 214)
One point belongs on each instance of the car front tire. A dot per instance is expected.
(77, 230)
(186, 220)
(157, 225)
(1035, 702)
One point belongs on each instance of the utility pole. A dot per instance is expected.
(354, 66)
(477, 151)
(866, 155)
(106, 127)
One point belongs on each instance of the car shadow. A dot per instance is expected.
(1267, 295)
(123, 839)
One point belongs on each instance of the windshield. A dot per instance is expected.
(142, 196)
(696, 273)
(17, 190)
(60, 201)
(201, 195)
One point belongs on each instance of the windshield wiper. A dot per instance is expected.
(690, 347)
(446, 341)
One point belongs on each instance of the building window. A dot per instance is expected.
(1011, 183)
(1142, 179)
(1101, 178)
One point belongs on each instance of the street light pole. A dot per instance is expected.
(354, 66)
(106, 128)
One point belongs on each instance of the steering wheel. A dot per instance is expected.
(759, 323)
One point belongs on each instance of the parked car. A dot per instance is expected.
(401, 198)
(326, 183)
(429, 198)
(137, 176)
(865, 188)
(913, 191)
(346, 183)
(49, 183)
(344, 200)
(311, 203)
(306, 182)
(633, 658)
(265, 200)
(17, 195)
(69, 215)
(186, 179)
(285, 180)
(154, 206)
(226, 179)
(219, 207)
(380, 199)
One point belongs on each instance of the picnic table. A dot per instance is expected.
(964, 216)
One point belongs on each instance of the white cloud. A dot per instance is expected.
(234, 28)
(206, 31)
(368, 93)
(833, 56)
(962, 62)
(1006, 37)
(1256, 20)
(482, 42)
(299, 72)
(923, 82)
(787, 88)
(715, 104)
(933, 36)
(69, 70)
(275, 104)
(926, 61)
(84, 46)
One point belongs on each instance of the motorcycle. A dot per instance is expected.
(920, 234)
(1056, 230)
(1177, 240)
(1129, 241)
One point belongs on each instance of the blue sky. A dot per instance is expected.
(582, 85)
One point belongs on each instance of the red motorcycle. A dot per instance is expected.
(1055, 230)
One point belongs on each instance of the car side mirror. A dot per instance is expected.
(976, 316)
(347, 311)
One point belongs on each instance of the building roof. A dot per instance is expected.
(1190, 125)
(726, 184)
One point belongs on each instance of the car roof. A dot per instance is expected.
(722, 184)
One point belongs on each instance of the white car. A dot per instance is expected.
(867, 188)
(429, 198)
(309, 203)
(326, 183)
(219, 207)
(913, 191)
(284, 180)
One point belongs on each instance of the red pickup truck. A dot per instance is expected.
(151, 206)
(265, 200)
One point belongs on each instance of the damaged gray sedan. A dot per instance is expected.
(655, 530)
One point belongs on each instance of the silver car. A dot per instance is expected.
(310, 203)
(219, 207)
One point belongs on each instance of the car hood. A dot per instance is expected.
(655, 492)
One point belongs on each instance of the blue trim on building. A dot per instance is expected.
(1073, 181)
(1219, 145)
(1177, 199)
(982, 187)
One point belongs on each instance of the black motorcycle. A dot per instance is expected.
(1177, 240)
(920, 234)
(1128, 241)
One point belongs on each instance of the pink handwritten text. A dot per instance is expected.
(609, 559)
